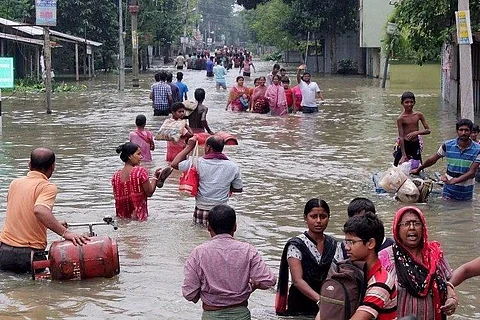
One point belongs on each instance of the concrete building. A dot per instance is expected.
(373, 19)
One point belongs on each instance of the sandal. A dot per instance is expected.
(164, 174)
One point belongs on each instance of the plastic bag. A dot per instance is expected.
(408, 192)
(406, 167)
(393, 179)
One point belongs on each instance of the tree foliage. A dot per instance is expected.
(426, 24)
(321, 16)
(250, 4)
(93, 19)
(267, 24)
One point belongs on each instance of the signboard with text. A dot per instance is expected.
(464, 32)
(6, 73)
(46, 13)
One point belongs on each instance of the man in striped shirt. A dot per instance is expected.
(363, 237)
(463, 160)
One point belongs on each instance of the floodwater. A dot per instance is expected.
(284, 161)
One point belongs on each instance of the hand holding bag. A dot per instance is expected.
(189, 178)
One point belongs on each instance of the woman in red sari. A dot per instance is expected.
(239, 96)
(131, 185)
(259, 103)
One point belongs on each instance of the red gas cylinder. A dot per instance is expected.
(228, 139)
(97, 258)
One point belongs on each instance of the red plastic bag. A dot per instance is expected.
(189, 181)
(189, 178)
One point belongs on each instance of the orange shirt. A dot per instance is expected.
(22, 228)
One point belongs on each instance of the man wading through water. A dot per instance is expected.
(217, 176)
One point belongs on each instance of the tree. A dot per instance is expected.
(215, 18)
(250, 4)
(267, 24)
(426, 24)
(322, 17)
(94, 19)
(18, 10)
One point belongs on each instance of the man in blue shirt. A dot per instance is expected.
(463, 159)
(220, 72)
(182, 87)
(210, 67)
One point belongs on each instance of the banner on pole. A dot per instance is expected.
(46, 13)
(6, 73)
(134, 39)
(464, 32)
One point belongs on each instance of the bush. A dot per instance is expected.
(347, 66)
(276, 56)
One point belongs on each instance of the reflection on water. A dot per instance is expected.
(284, 161)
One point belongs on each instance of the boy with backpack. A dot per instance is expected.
(363, 237)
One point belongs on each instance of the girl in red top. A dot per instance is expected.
(288, 94)
(131, 185)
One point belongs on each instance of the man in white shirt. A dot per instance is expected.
(179, 61)
(310, 91)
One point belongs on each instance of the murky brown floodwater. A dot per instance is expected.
(285, 161)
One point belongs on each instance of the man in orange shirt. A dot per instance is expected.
(30, 201)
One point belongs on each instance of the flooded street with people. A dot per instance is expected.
(284, 161)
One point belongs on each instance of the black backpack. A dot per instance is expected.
(343, 290)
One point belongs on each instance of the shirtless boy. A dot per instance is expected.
(409, 131)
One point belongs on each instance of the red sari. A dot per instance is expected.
(130, 199)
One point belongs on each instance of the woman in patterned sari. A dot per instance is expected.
(131, 185)
(239, 96)
(420, 268)
(258, 102)
(308, 256)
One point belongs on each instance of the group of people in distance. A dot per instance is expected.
(272, 94)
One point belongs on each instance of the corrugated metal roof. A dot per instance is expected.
(23, 27)
(21, 39)
(38, 42)
(38, 31)
(74, 39)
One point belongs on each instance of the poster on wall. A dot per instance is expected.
(46, 13)
(464, 32)
(6, 72)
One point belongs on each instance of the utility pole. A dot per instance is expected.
(466, 75)
(121, 47)
(47, 55)
(184, 44)
(133, 9)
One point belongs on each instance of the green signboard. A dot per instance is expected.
(6, 72)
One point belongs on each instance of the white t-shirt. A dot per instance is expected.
(309, 92)
(180, 60)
